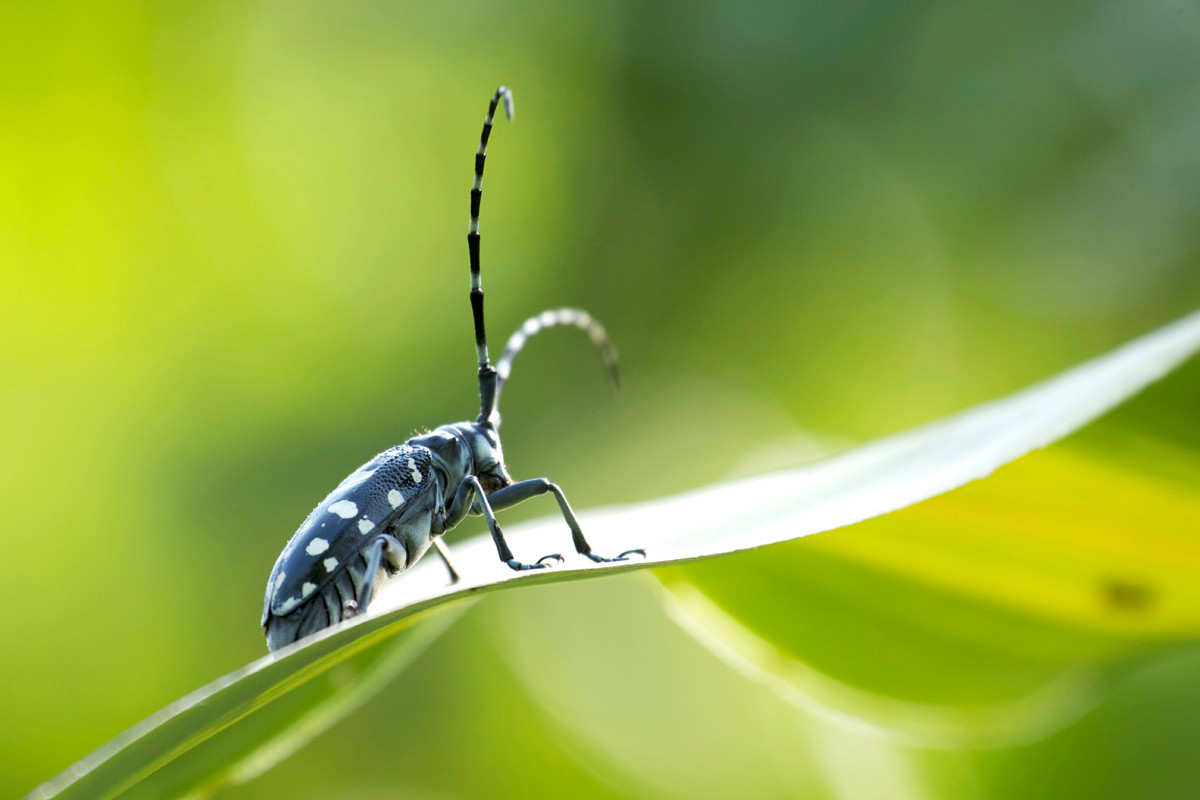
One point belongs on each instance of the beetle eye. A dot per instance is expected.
(491, 483)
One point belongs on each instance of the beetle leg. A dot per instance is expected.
(462, 503)
(444, 552)
(374, 556)
(460, 506)
(524, 490)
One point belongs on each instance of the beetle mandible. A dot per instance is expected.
(383, 517)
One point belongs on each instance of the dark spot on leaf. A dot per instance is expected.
(1127, 595)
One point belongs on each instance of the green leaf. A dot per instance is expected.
(246, 722)
(987, 616)
(243, 723)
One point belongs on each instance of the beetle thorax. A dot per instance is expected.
(467, 448)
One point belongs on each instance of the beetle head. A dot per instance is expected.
(489, 458)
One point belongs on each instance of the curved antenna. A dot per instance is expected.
(488, 388)
(549, 319)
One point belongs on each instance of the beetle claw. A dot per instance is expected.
(623, 557)
(518, 566)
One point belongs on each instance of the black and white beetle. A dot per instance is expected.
(388, 512)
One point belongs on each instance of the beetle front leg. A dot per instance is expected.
(524, 490)
(462, 503)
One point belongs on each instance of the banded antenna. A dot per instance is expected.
(487, 375)
(548, 319)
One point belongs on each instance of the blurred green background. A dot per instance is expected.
(232, 268)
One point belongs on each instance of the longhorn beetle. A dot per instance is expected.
(388, 512)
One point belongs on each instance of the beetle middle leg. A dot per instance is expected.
(357, 585)
(462, 503)
(442, 551)
(524, 490)
(374, 556)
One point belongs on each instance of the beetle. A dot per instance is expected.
(387, 513)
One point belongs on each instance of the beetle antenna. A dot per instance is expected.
(488, 388)
(549, 319)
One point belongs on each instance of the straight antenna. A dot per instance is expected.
(487, 374)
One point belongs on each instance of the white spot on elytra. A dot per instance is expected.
(344, 508)
(365, 526)
(317, 546)
(416, 473)
(395, 498)
(278, 583)
(330, 564)
(288, 605)
(308, 588)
